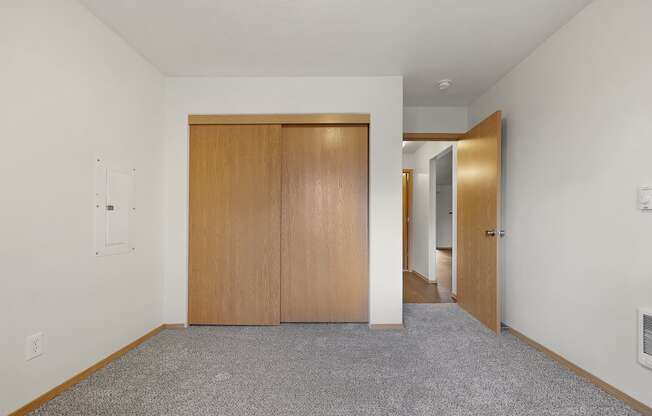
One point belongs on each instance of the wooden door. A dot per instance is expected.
(407, 208)
(478, 221)
(324, 244)
(234, 226)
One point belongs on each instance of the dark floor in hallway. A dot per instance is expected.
(444, 273)
(417, 290)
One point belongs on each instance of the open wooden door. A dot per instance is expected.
(478, 221)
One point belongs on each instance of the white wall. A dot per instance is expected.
(70, 90)
(408, 160)
(435, 119)
(382, 97)
(444, 200)
(578, 143)
(444, 219)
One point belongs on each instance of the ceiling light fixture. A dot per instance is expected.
(444, 84)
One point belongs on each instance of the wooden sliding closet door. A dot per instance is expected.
(235, 214)
(324, 244)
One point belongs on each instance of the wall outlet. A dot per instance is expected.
(34, 346)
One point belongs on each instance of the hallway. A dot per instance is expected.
(417, 290)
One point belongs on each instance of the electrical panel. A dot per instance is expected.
(114, 209)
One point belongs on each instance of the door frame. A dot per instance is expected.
(432, 137)
(453, 137)
(282, 119)
(327, 118)
(407, 216)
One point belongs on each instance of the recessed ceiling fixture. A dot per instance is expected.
(444, 84)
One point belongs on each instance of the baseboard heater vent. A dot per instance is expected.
(645, 337)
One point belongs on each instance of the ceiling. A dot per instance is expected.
(472, 42)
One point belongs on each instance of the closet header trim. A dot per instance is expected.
(195, 119)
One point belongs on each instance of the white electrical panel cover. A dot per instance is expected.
(114, 209)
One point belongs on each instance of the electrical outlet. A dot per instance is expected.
(33, 346)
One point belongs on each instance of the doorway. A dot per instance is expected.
(442, 164)
(468, 205)
(423, 264)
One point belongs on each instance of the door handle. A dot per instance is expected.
(493, 233)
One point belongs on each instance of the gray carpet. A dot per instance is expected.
(443, 363)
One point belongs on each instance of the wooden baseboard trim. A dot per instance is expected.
(431, 282)
(384, 327)
(608, 388)
(51, 394)
(174, 326)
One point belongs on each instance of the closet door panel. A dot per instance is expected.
(234, 224)
(324, 244)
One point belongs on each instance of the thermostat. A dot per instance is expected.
(645, 198)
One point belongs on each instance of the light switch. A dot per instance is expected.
(645, 198)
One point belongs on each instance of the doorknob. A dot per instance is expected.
(493, 233)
